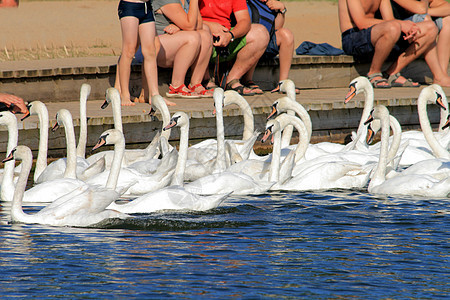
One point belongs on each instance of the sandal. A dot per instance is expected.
(378, 83)
(240, 88)
(392, 80)
(253, 87)
(200, 90)
(181, 92)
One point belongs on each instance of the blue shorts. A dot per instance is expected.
(272, 48)
(358, 43)
(142, 11)
(417, 18)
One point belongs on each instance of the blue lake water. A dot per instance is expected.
(320, 245)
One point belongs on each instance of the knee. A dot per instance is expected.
(128, 53)
(193, 40)
(206, 38)
(445, 23)
(429, 29)
(393, 30)
(258, 34)
(285, 36)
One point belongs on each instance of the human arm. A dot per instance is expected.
(278, 6)
(17, 102)
(363, 19)
(175, 13)
(439, 8)
(413, 6)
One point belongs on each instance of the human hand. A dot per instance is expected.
(17, 103)
(411, 30)
(171, 29)
(275, 5)
(221, 39)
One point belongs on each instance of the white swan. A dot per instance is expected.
(167, 198)
(417, 149)
(85, 91)
(268, 170)
(38, 108)
(132, 181)
(130, 155)
(7, 188)
(402, 184)
(219, 183)
(83, 207)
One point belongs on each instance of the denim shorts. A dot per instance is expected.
(272, 48)
(142, 11)
(417, 18)
(358, 43)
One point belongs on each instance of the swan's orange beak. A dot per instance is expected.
(101, 141)
(273, 113)
(9, 157)
(369, 119)
(267, 133)
(351, 92)
(55, 127)
(370, 135)
(447, 124)
(104, 105)
(439, 101)
(171, 124)
(26, 115)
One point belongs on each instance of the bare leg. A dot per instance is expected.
(129, 26)
(248, 56)
(285, 42)
(201, 63)
(425, 45)
(383, 37)
(443, 44)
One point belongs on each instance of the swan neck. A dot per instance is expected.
(380, 172)
(274, 172)
(166, 119)
(117, 113)
(178, 176)
(41, 160)
(113, 177)
(17, 213)
(8, 172)
(71, 162)
(425, 125)
(82, 139)
(220, 160)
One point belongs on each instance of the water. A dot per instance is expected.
(335, 244)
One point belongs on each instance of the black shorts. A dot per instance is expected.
(358, 43)
(142, 11)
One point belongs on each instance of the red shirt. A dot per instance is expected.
(219, 11)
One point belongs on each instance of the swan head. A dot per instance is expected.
(7, 118)
(109, 137)
(18, 153)
(233, 97)
(286, 85)
(34, 108)
(379, 112)
(272, 126)
(356, 86)
(218, 96)
(62, 117)
(112, 94)
(279, 106)
(157, 102)
(178, 119)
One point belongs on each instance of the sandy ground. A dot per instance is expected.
(56, 29)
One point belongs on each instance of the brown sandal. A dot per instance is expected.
(240, 88)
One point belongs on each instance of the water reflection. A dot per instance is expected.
(283, 245)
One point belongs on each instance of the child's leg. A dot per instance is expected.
(129, 26)
(285, 42)
(147, 33)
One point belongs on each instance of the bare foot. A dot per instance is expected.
(127, 102)
(443, 81)
(169, 103)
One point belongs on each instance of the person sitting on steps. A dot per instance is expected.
(365, 36)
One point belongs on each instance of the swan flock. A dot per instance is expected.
(82, 191)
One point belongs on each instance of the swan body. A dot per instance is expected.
(218, 183)
(131, 155)
(83, 207)
(128, 179)
(403, 183)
